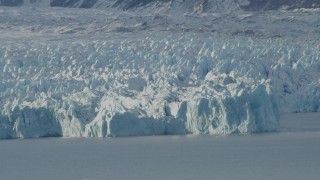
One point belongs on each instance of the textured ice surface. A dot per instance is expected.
(96, 73)
(173, 84)
(141, 86)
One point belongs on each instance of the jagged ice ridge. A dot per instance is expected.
(172, 84)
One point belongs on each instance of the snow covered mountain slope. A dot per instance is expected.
(256, 5)
(120, 4)
(172, 5)
(95, 73)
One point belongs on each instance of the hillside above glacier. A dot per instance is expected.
(186, 5)
(154, 68)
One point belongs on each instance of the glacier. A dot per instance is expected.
(92, 73)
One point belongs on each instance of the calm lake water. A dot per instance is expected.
(291, 154)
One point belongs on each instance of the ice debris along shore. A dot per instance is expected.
(171, 84)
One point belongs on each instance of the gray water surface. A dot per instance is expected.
(292, 153)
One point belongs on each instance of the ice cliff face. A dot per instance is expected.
(145, 86)
(173, 84)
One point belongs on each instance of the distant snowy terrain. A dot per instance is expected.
(206, 5)
(126, 68)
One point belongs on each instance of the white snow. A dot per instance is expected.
(97, 73)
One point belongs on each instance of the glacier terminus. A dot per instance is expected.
(136, 68)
